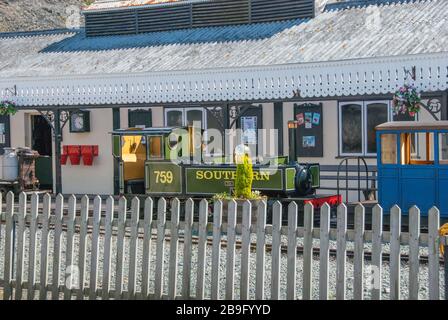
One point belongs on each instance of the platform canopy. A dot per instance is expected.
(360, 50)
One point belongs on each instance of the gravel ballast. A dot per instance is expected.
(404, 280)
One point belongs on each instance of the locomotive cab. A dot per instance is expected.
(133, 148)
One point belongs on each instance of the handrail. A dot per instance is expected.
(346, 160)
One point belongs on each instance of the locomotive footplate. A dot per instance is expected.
(317, 200)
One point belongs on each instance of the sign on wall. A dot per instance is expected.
(309, 133)
(249, 128)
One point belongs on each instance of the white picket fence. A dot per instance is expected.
(95, 243)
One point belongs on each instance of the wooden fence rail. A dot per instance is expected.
(95, 254)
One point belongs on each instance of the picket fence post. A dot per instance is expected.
(433, 253)
(160, 251)
(186, 278)
(32, 246)
(245, 250)
(261, 249)
(358, 260)
(122, 212)
(133, 246)
(45, 242)
(292, 252)
(70, 247)
(85, 202)
(216, 250)
(20, 240)
(174, 244)
(341, 255)
(324, 251)
(59, 212)
(231, 239)
(414, 246)
(9, 246)
(276, 249)
(147, 249)
(308, 252)
(395, 235)
(107, 259)
(377, 238)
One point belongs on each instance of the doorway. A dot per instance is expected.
(41, 136)
(41, 141)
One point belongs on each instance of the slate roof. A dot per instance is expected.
(395, 29)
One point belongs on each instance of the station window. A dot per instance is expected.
(417, 148)
(389, 149)
(140, 118)
(357, 122)
(443, 148)
(182, 117)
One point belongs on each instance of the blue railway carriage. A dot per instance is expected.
(413, 165)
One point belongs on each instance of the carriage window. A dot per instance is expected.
(443, 148)
(155, 147)
(389, 149)
(417, 148)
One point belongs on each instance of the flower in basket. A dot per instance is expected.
(7, 108)
(407, 100)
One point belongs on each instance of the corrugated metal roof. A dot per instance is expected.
(388, 30)
(114, 4)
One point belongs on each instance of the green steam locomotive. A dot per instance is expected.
(172, 162)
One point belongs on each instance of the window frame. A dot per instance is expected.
(184, 111)
(147, 111)
(363, 104)
(148, 147)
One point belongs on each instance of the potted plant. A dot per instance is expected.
(242, 192)
(7, 108)
(407, 100)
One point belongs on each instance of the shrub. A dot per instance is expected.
(244, 178)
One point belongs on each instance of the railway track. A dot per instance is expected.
(316, 251)
(423, 259)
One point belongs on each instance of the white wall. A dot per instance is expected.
(99, 177)
(77, 179)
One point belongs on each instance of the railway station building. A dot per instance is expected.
(226, 64)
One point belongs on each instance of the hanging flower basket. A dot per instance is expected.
(7, 108)
(407, 100)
